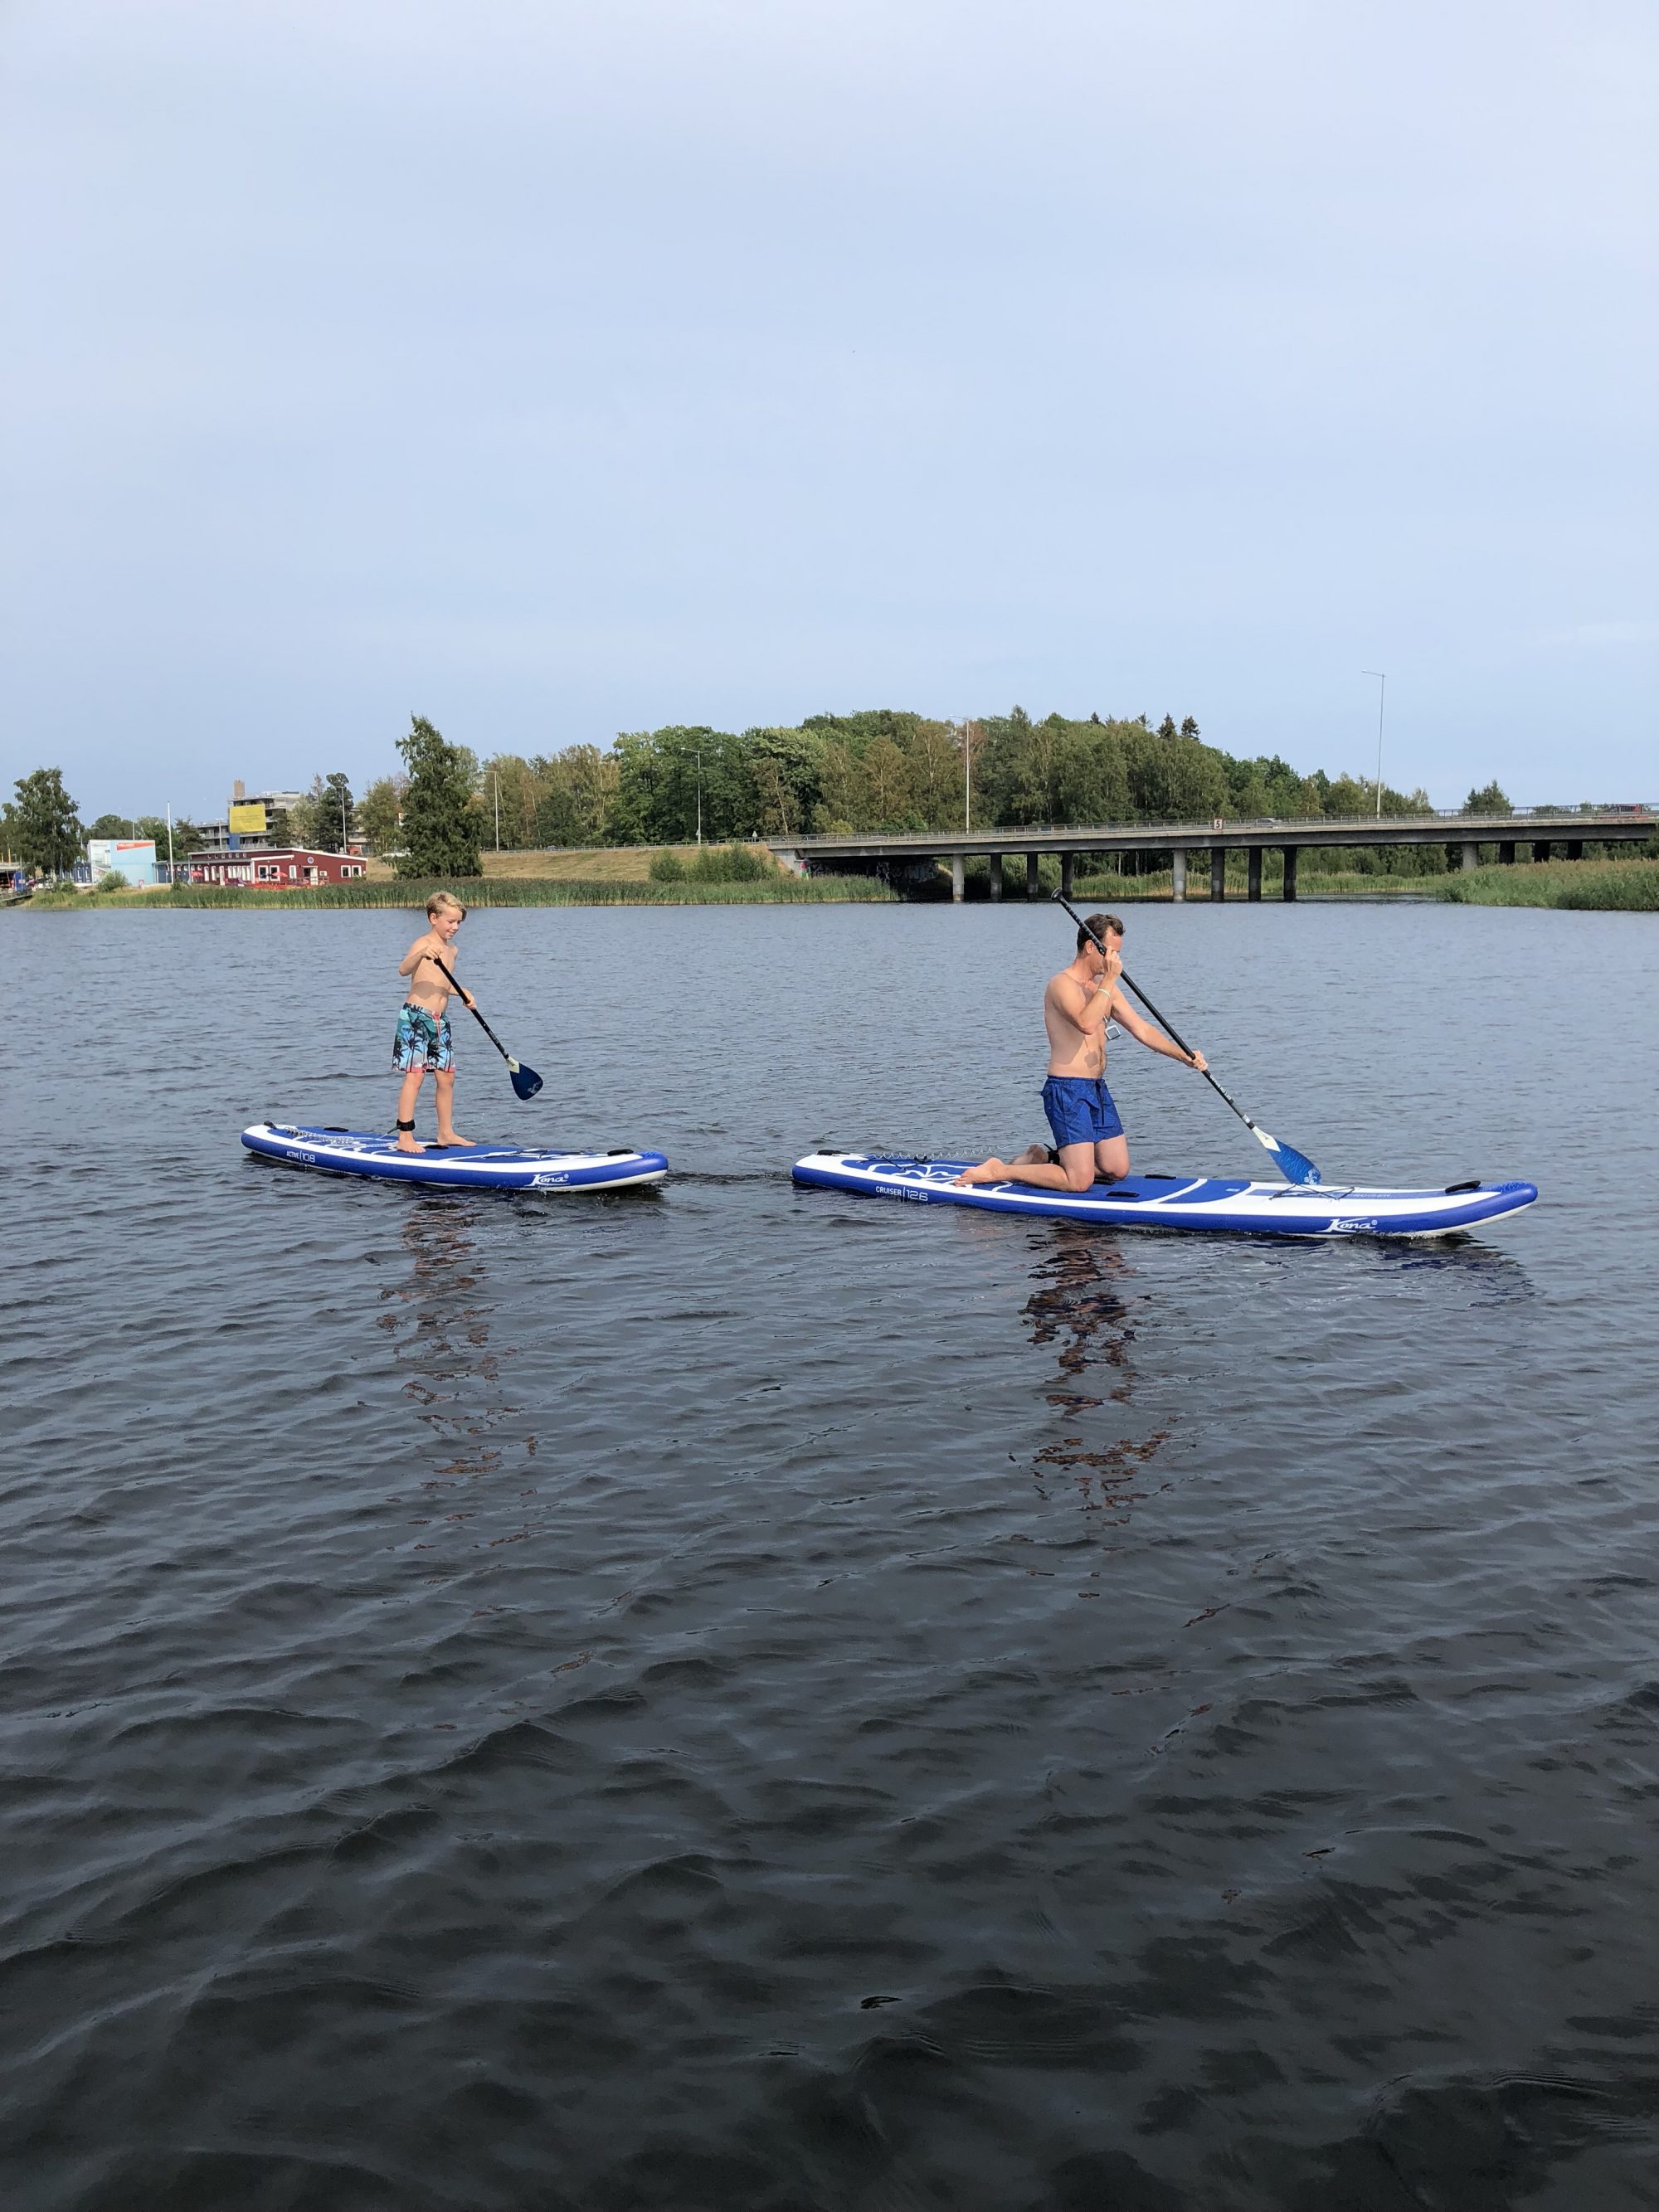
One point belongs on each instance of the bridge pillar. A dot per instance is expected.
(1471, 855)
(1290, 851)
(1540, 848)
(1575, 848)
(1506, 854)
(1178, 874)
(1217, 875)
(1033, 881)
(958, 878)
(1067, 863)
(1255, 892)
(996, 875)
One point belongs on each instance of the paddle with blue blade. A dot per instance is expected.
(1294, 1166)
(526, 1081)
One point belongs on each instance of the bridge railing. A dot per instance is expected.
(1486, 827)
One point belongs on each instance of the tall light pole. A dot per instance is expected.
(698, 757)
(1382, 693)
(345, 832)
(169, 841)
(496, 778)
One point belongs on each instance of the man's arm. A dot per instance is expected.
(1088, 1010)
(1147, 1033)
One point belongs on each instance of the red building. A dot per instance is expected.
(253, 868)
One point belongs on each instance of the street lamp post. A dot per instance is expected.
(345, 830)
(1382, 693)
(496, 778)
(698, 758)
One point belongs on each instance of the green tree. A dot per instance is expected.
(379, 813)
(1348, 797)
(112, 825)
(1490, 798)
(786, 767)
(578, 793)
(41, 825)
(887, 783)
(509, 792)
(441, 821)
(324, 819)
(935, 774)
(841, 791)
(186, 837)
(1091, 775)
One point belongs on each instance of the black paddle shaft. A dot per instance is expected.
(473, 1011)
(1162, 1020)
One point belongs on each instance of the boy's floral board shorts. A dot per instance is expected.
(423, 1040)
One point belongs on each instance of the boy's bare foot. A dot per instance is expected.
(986, 1171)
(450, 1137)
(407, 1144)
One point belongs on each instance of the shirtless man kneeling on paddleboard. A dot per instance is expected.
(1088, 1134)
(423, 1043)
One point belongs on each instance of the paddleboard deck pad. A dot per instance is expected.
(472, 1167)
(1193, 1202)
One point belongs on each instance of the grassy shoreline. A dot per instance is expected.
(780, 890)
(1599, 886)
(1605, 886)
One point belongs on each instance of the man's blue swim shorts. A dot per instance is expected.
(423, 1040)
(1080, 1110)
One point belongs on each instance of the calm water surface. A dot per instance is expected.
(733, 1698)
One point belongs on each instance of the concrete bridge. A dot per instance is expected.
(1546, 832)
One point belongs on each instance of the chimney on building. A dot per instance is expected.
(238, 791)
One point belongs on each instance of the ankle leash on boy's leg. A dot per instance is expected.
(405, 1124)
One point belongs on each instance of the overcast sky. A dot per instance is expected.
(553, 369)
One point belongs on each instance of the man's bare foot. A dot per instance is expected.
(986, 1171)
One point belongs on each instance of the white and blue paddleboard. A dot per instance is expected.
(1196, 1202)
(471, 1167)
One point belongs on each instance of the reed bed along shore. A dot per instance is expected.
(777, 890)
(1609, 886)
(1627, 886)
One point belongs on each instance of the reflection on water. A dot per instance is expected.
(467, 1433)
(1083, 1310)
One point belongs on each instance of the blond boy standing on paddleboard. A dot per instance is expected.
(423, 1044)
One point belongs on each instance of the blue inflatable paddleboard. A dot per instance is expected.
(471, 1167)
(1193, 1202)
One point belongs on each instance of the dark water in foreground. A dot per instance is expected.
(745, 1699)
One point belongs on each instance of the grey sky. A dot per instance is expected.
(553, 369)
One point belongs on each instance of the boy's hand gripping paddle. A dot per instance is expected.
(1294, 1166)
(526, 1081)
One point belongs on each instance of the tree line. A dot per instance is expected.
(882, 769)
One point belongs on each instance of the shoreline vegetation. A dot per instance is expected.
(1617, 886)
(636, 876)
(586, 827)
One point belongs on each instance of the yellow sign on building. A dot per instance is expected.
(248, 821)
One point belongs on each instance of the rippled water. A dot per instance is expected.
(736, 1698)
